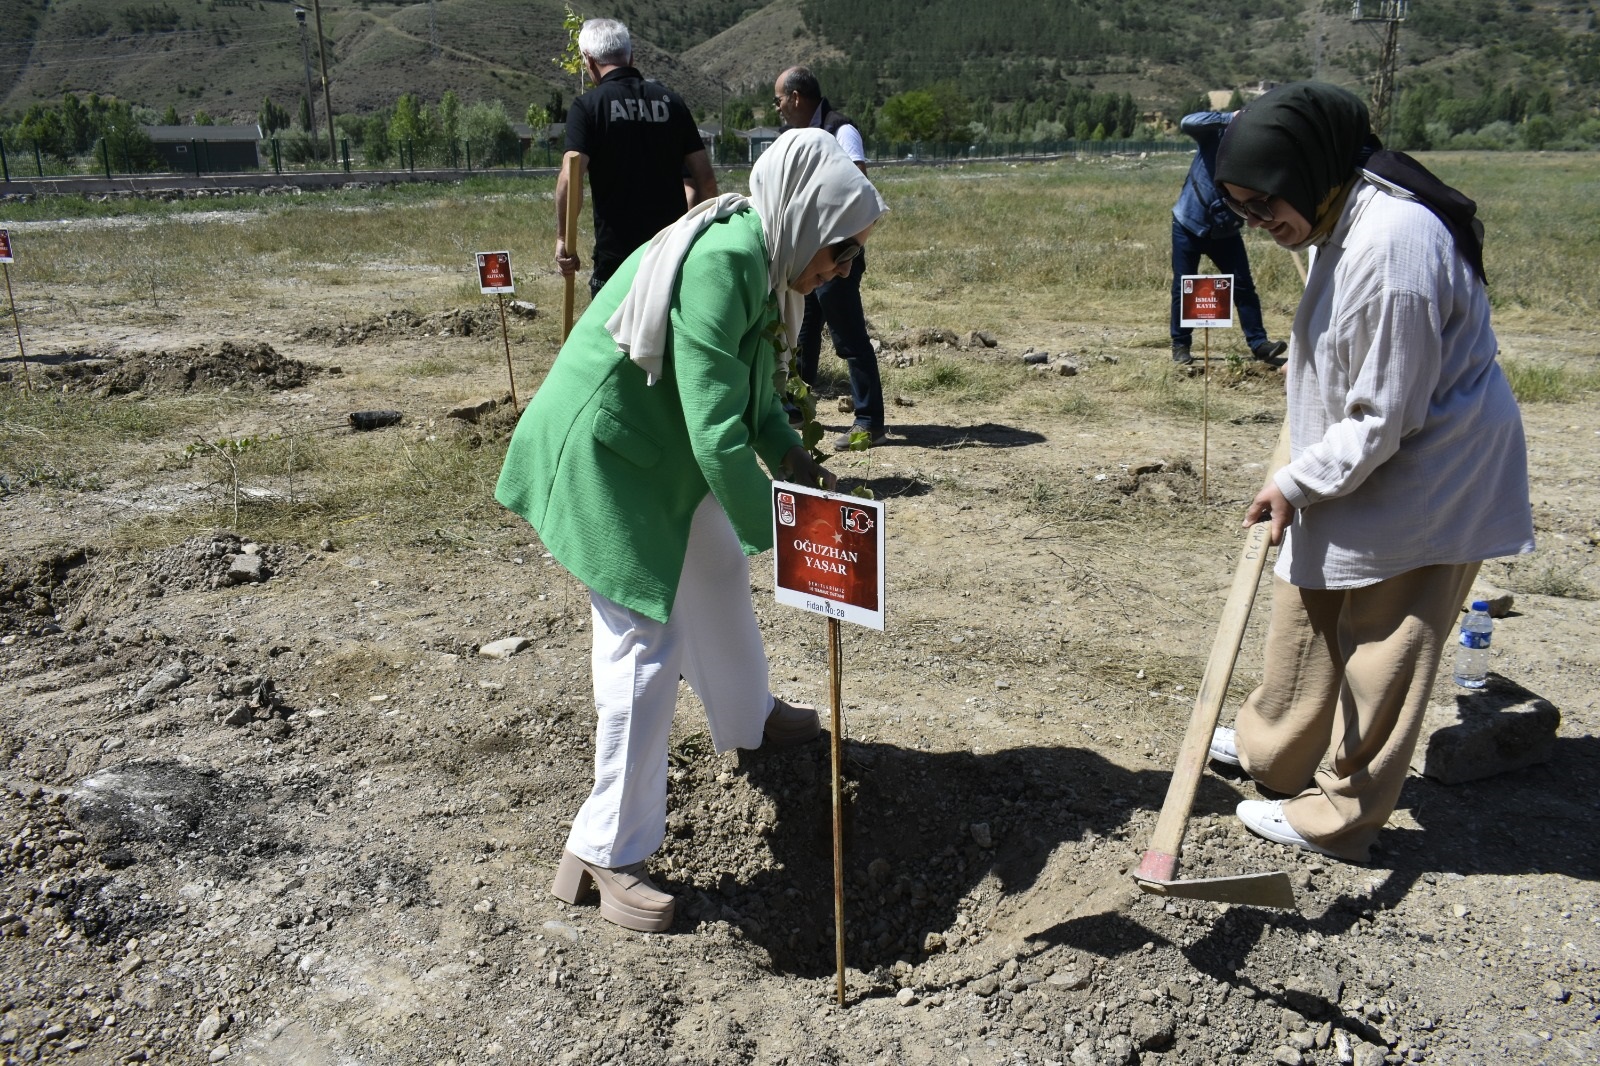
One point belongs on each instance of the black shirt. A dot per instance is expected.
(636, 134)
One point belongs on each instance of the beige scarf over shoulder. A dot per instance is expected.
(807, 193)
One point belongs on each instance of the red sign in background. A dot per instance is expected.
(5, 247)
(494, 272)
(1207, 300)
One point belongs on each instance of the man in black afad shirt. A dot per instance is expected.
(636, 140)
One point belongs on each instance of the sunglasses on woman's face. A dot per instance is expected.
(1247, 209)
(845, 251)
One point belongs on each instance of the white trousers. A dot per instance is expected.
(711, 641)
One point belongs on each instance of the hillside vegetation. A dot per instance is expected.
(1473, 73)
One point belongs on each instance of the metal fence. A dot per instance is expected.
(206, 157)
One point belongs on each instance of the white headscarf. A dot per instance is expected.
(807, 193)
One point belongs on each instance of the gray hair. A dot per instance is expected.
(606, 41)
(801, 80)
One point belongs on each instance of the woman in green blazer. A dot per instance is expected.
(639, 463)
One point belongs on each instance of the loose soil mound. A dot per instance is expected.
(473, 322)
(213, 367)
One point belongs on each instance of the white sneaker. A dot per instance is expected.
(1265, 818)
(1225, 746)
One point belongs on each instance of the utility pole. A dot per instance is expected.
(1388, 14)
(433, 27)
(311, 96)
(322, 59)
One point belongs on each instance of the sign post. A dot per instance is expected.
(828, 559)
(1207, 303)
(6, 260)
(494, 278)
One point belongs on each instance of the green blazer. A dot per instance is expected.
(609, 471)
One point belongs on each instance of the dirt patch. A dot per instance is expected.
(326, 826)
(457, 322)
(214, 367)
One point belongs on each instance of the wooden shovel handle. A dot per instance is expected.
(574, 198)
(1168, 835)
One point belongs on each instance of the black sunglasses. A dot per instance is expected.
(846, 250)
(777, 101)
(1247, 209)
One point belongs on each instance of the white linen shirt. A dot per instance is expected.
(1406, 443)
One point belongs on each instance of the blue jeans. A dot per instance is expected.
(838, 303)
(1230, 258)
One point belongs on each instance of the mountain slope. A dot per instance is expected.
(223, 56)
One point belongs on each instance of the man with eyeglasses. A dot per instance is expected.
(639, 145)
(799, 100)
(1202, 224)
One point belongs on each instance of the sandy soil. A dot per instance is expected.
(299, 819)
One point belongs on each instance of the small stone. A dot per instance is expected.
(1553, 991)
(211, 1026)
(1499, 600)
(562, 929)
(1066, 368)
(1459, 910)
(1369, 1055)
(245, 569)
(1287, 1056)
(981, 835)
(165, 680)
(905, 997)
(932, 943)
(1071, 980)
(981, 338)
(504, 648)
(1035, 358)
(522, 308)
(1151, 1031)
(1342, 1049)
(985, 986)
(218, 1053)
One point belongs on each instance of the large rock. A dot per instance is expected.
(1475, 734)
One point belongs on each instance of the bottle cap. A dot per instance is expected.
(1480, 605)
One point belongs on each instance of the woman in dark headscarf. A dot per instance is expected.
(1408, 465)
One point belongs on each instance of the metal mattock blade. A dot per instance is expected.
(1258, 890)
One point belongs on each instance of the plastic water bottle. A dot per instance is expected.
(1472, 657)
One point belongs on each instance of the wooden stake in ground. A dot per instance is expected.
(837, 744)
(1205, 301)
(505, 336)
(828, 559)
(574, 194)
(494, 279)
(5, 259)
(1205, 419)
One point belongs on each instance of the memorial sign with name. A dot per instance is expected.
(829, 553)
(494, 273)
(1206, 301)
(5, 247)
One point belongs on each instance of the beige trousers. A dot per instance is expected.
(1347, 678)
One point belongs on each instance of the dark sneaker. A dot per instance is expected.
(1181, 354)
(1270, 352)
(875, 437)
